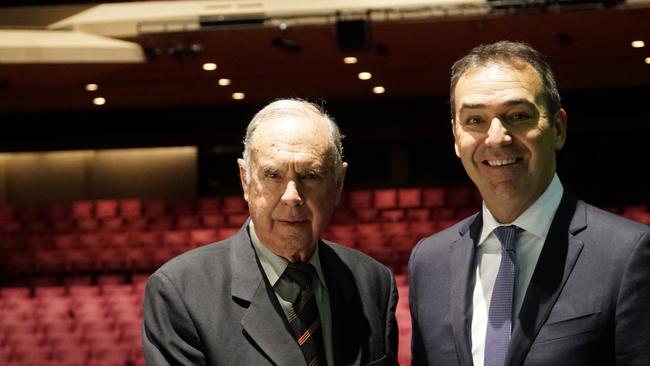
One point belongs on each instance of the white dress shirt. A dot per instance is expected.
(274, 265)
(536, 221)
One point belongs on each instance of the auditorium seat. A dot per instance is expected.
(187, 221)
(181, 206)
(236, 219)
(106, 208)
(83, 291)
(409, 197)
(213, 220)
(417, 214)
(111, 224)
(200, 237)
(130, 208)
(15, 292)
(360, 199)
(111, 259)
(233, 204)
(385, 198)
(366, 214)
(71, 355)
(83, 209)
(392, 215)
(50, 292)
(208, 205)
(433, 197)
(139, 259)
(154, 208)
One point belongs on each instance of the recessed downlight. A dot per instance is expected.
(92, 87)
(224, 82)
(364, 75)
(350, 60)
(638, 44)
(209, 66)
(379, 89)
(238, 96)
(99, 101)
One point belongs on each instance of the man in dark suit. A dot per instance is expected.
(275, 293)
(537, 277)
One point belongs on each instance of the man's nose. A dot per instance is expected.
(498, 134)
(291, 195)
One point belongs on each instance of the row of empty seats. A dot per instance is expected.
(97, 325)
(77, 325)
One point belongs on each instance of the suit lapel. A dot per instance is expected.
(262, 322)
(349, 324)
(461, 265)
(559, 254)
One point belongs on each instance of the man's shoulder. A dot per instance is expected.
(207, 258)
(609, 226)
(356, 259)
(448, 235)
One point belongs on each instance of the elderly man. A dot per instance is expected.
(537, 277)
(275, 293)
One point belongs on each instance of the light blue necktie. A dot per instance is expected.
(499, 326)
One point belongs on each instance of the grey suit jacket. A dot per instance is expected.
(213, 306)
(588, 302)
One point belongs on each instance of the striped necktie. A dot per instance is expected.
(295, 286)
(499, 328)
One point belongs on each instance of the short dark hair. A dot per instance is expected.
(510, 53)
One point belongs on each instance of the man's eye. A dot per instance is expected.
(473, 120)
(271, 174)
(310, 175)
(519, 116)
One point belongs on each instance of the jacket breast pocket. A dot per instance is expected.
(568, 327)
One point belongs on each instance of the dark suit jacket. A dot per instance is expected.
(213, 306)
(588, 302)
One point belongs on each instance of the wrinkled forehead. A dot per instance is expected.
(298, 136)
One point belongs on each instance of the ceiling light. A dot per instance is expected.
(92, 87)
(647, 60)
(209, 66)
(224, 82)
(379, 89)
(350, 60)
(638, 44)
(365, 75)
(238, 96)
(99, 101)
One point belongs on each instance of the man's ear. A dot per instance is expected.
(560, 126)
(242, 177)
(339, 181)
(453, 131)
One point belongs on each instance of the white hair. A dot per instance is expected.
(295, 108)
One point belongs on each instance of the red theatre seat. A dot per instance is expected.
(130, 208)
(106, 208)
(385, 198)
(83, 209)
(360, 199)
(409, 197)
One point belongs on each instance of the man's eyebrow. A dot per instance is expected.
(509, 103)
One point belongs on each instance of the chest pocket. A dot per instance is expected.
(568, 327)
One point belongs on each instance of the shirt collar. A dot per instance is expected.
(274, 265)
(536, 219)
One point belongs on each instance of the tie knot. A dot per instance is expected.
(300, 272)
(507, 235)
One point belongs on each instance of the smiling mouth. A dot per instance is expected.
(502, 162)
